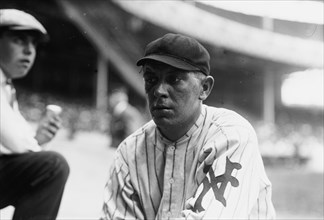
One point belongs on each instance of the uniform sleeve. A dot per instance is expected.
(231, 181)
(15, 133)
(121, 201)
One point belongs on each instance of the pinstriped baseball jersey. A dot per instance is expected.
(214, 171)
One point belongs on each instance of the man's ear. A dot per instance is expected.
(206, 87)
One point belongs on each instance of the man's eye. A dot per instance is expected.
(18, 40)
(173, 79)
(149, 82)
(149, 79)
(35, 42)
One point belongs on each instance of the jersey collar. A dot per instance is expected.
(3, 78)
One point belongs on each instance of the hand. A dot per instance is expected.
(48, 128)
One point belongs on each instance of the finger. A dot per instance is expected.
(57, 118)
(48, 127)
(54, 118)
(47, 133)
(52, 129)
(55, 123)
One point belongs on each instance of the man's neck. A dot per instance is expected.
(174, 133)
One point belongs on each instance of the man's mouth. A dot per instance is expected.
(160, 111)
(24, 62)
(160, 107)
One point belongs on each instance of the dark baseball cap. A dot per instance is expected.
(179, 51)
(17, 20)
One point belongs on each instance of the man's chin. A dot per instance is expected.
(161, 121)
(20, 74)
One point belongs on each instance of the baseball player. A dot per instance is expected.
(192, 161)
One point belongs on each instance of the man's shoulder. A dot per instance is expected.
(147, 128)
(136, 143)
(231, 127)
(224, 117)
(220, 112)
(144, 132)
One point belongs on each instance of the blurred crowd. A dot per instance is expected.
(292, 144)
(282, 143)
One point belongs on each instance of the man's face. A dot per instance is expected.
(173, 95)
(17, 53)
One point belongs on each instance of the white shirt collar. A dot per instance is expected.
(3, 78)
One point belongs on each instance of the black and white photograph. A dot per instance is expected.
(161, 109)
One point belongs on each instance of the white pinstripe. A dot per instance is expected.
(147, 163)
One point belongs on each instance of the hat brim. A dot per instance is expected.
(172, 61)
(42, 34)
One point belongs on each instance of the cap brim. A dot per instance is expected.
(172, 61)
(27, 27)
(42, 35)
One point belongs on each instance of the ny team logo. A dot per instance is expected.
(217, 184)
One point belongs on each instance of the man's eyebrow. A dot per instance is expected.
(178, 72)
(147, 72)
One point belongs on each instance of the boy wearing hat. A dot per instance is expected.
(192, 161)
(31, 179)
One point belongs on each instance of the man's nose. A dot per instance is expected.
(161, 90)
(29, 47)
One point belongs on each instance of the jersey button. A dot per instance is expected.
(171, 181)
(169, 214)
(172, 148)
